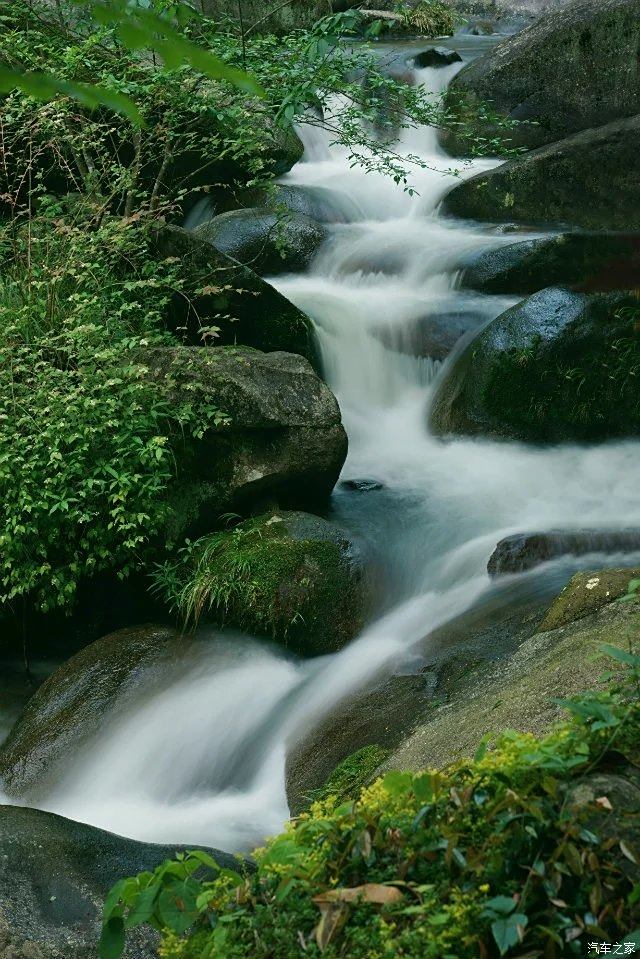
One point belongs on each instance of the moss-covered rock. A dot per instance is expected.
(517, 693)
(571, 70)
(279, 436)
(289, 575)
(71, 704)
(54, 877)
(586, 180)
(261, 239)
(588, 592)
(558, 366)
(224, 294)
(592, 262)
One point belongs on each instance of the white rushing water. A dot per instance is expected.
(202, 758)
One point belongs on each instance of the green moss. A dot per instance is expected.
(350, 777)
(274, 575)
(582, 386)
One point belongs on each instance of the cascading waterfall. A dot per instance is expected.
(202, 758)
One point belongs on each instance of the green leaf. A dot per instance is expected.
(502, 905)
(397, 783)
(112, 938)
(508, 932)
(143, 907)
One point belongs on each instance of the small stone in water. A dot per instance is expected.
(362, 485)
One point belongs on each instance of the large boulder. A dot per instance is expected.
(559, 366)
(69, 707)
(518, 692)
(523, 551)
(54, 877)
(267, 242)
(280, 438)
(289, 575)
(593, 262)
(223, 294)
(586, 180)
(569, 71)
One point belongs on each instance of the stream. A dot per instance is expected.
(201, 759)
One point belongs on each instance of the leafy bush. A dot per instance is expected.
(514, 853)
(90, 442)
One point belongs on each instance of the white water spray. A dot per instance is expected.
(203, 760)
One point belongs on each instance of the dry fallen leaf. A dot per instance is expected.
(334, 907)
(370, 892)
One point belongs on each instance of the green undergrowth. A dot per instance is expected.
(529, 849)
(87, 447)
(351, 775)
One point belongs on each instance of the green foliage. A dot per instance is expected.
(89, 439)
(137, 29)
(509, 854)
(349, 778)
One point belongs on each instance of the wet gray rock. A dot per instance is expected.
(54, 877)
(593, 262)
(267, 242)
(70, 705)
(430, 336)
(436, 57)
(524, 551)
(571, 70)
(517, 378)
(226, 294)
(283, 440)
(583, 181)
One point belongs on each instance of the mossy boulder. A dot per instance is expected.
(54, 877)
(590, 262)
(588, 592)
(571, 70)
(263, 240)
(586, 180)
(524, 551)
(288, 575)
(71, 704)
(517, 692)
(559, 366)
(279, 439)
(221, 292)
